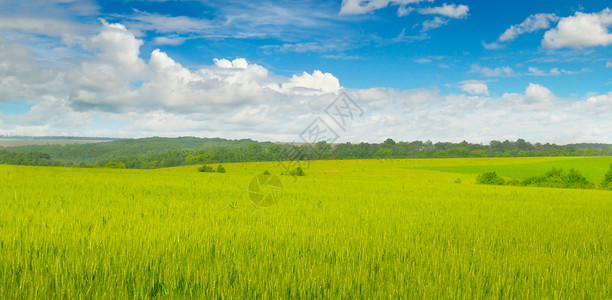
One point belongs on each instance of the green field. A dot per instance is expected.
(348, 229)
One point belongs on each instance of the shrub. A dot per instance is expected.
(560, 179)
(266, 172)
(607, 182)
(490, 178)
(513, 181)
(205, 168)
(115, 165)
(297, 172)
(220, 169)
(575, 179)
(536, 180)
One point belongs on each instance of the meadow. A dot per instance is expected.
(348, 229)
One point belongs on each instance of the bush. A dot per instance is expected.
(558, 178)
(575, 179)
(513, 181)
(297, 172)
(115, 165)
(490, 178)
(220, 169)
(205, 168)
(266, 172)
(607, 182)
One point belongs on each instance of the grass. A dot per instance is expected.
(593, 168)
(348, 229)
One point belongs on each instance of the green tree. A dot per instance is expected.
(607, 182)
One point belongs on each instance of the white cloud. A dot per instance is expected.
(403, 37)
(428, 59)
(580, 30)
(145, 21)
(115, 44)
(238, 63)
(536, 93)
(451, 11)
(594, 105)
(173, 40)
(21, 73)
(404, 11)
(240, 99)
(328, 46)
(423, 60)
(342, 56)
(504, 71)
(358, 7)
(609, 64)
(475, 87)
(69, 32)
(553, 72)
(42, 8)
(434, 23)
(531, 24)
(315, 84)
(492, 46)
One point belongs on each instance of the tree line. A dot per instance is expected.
(226, 151)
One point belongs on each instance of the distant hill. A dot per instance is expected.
(94, 152)
(75, 138)
(16, 142)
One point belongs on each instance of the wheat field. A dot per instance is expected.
(348, 229)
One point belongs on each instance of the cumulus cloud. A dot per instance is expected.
(115, 81)
(238, 63)
(580, 30)
(313, 84)
(475, 87)
(235, 98)
(21, 74)
(451, 11)
(535, 93)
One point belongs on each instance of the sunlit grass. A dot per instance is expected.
(365, 229)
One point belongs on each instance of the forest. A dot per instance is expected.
(150, 153)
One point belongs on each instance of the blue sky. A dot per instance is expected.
(419, 69)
